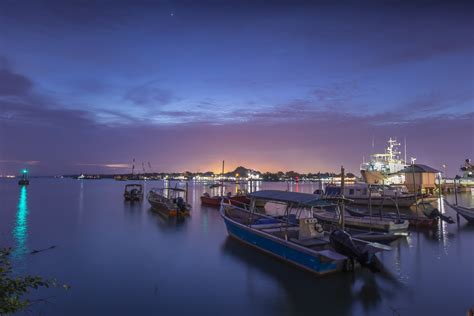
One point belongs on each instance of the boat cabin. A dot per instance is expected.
(364, 190)
(420, 178)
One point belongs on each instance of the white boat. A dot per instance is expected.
(383, 168)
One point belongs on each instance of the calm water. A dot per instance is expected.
(123, 259)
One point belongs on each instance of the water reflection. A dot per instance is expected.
(341, 292)
(166, 222)
(20, 231)
(81, 201)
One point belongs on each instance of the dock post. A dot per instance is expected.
(456, 196)
(342, 195)
(186, 192)
(415, 191)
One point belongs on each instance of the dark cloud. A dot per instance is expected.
(149, 95)
(424, 51)
(21, 106)
(13, 84)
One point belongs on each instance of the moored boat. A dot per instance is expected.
(215, 201)
(380, 224)
(169, 201)
(133, 192)
(413, 220)
(302, 243)
(466, 212)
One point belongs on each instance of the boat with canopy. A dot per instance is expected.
(296, 236)
(169, 201)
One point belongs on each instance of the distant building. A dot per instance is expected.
(420, 178)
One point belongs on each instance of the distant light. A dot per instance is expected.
(24, 171)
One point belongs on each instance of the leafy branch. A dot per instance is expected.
(14, 288)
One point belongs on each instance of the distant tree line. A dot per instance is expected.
(240, 172)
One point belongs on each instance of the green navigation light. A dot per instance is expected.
(24, 171)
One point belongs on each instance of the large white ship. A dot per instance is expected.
(383, 168)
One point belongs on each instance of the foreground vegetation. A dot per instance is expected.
(14, 289)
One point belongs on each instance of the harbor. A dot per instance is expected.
(103, 242)
(236, 158)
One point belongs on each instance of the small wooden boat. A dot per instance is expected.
(375, 236)
(215, 201)
(466, 212)
(419, 221)
(304, 244)
(133, 192)
(169, 201)
(380, 224)
(427, 219)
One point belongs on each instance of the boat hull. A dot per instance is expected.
(215, 201)
(282, 249)
(239, 200)
(392, 202)
(386, 225)
(465, 212)
(166, 208)
(417, 221)
(372, 177)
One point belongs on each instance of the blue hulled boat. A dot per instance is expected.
(296, 236)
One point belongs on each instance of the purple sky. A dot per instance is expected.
(86, 86)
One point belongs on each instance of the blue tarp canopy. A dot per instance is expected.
(289, 197)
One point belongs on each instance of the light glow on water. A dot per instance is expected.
(20, 231)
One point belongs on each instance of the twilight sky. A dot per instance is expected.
(86, 86)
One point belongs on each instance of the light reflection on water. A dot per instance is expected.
(20, 231)
(194, 260)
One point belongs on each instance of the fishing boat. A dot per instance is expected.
(298, 239)
(215, 201)
(378, 195)
(466, 212)
(375, 236)
(133, 192)
(428, 217)
(379, 224)
(169, 201)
